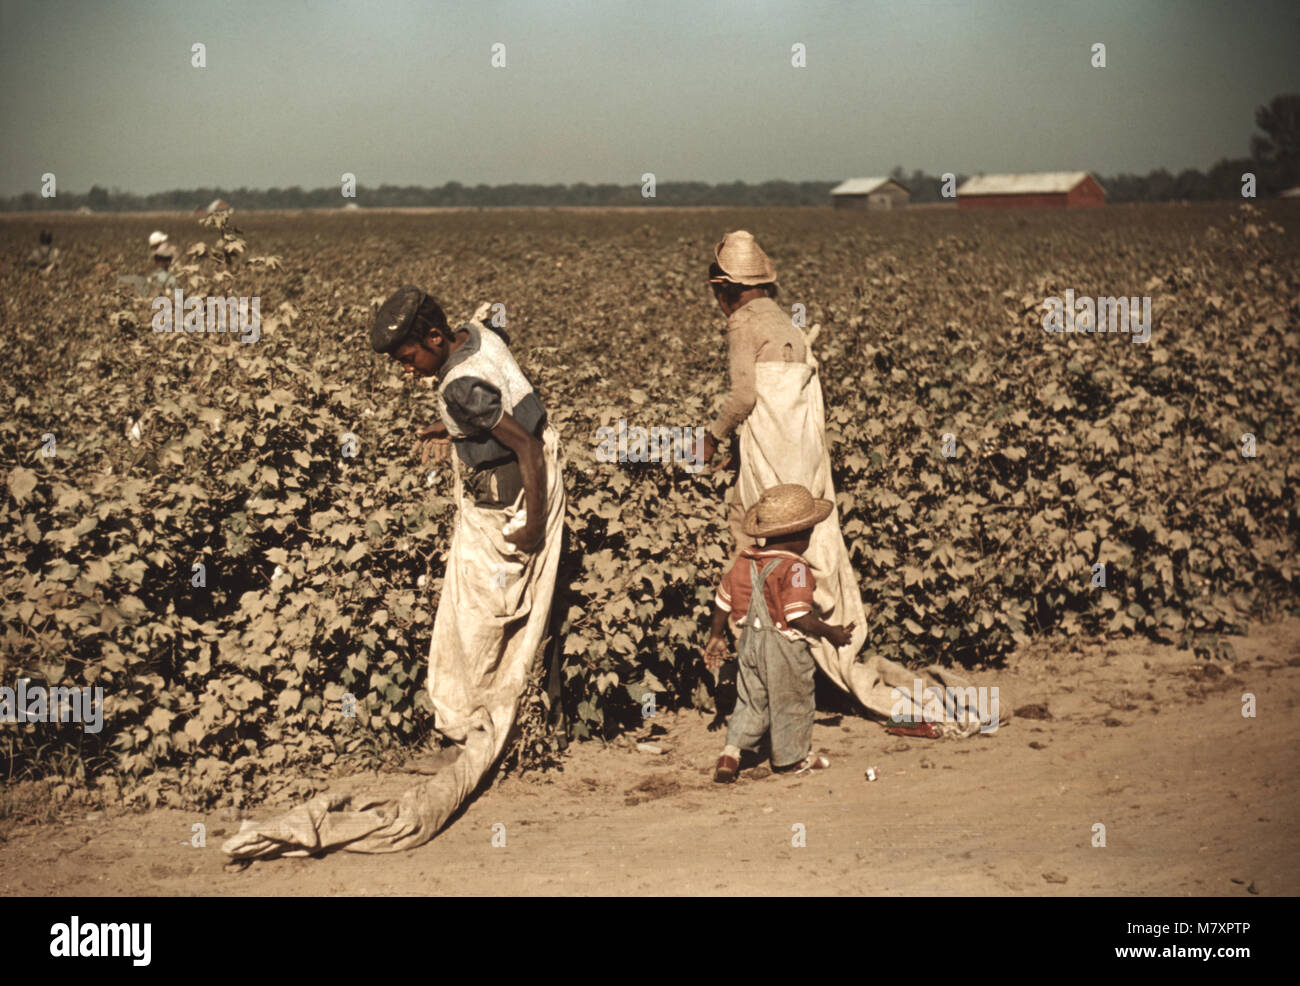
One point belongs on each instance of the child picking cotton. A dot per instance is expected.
(771, 611)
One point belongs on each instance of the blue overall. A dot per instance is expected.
(774, 683)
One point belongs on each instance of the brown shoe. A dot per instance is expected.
(727, 769)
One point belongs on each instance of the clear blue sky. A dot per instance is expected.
(296, 93)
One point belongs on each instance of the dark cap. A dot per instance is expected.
(395, 319)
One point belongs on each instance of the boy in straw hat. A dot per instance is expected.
(771, 611)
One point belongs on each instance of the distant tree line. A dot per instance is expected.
(1222, 182)
(1274, 160)
(451, 194)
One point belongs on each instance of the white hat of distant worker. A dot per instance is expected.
(157, 237)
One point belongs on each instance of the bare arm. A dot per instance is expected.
(811, 626)
(715, 651)
(532, 466)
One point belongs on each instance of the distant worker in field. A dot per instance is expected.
(164, 252)
(497, 585)
(46, 256)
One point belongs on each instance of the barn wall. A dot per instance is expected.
(1087, 193)
(897, 200)
(897, 197)
(1056, 200)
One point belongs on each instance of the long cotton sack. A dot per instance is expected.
(491, 617)
(783, 441)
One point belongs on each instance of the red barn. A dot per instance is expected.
(1061, 189)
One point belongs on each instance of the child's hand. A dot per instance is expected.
(840, 636)
(715, 652)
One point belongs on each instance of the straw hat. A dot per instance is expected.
(783, 510)
(156, 237)
(742, 260)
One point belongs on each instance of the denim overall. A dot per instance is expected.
(774, 683)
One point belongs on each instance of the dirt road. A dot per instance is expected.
(1195, 799)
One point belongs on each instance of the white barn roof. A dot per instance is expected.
(1037, 183)
(863, 186)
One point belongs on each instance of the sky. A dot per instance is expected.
(397, 92)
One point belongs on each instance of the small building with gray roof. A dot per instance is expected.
(870, 193)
